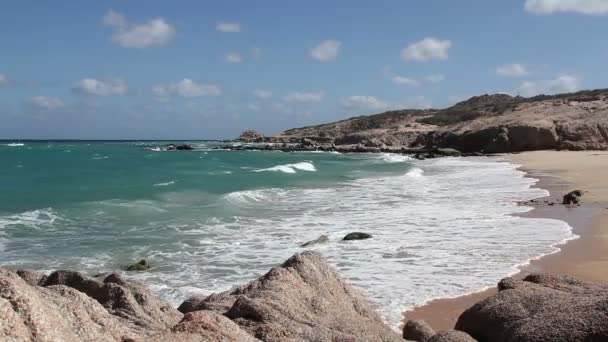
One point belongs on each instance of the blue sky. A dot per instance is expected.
(207, 69)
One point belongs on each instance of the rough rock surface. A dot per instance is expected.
(540, 308)
(130, 300)
(251, 136)
(419, 331)
(204, 326)
(54, 313)
(302, 300)
(488, 123)
(451, 336)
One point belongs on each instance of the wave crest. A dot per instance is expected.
(290, 168)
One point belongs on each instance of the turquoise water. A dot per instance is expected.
(211, 219)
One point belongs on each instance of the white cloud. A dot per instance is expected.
(512, 70)
(426, 50)
(364, 102)
(227, 27)
(91, 86)
(154, 32)
(562, 84)
(305, 97)
(253, 107)
(591, 7)
(114, 19)
(436, 78)
(401, 80)
(3, 80)
(187, 88)
(262, 94)
(233, 57)
(46, 102)
(326, 51)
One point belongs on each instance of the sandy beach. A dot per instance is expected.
(585, 258)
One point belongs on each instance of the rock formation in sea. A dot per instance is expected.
(304, 299)
(251, 136)
(487, 123)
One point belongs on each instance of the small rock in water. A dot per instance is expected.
(142, 265)
(356, 236)
(321, 239)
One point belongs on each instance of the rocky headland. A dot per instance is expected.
(482, 124)
(304, 299)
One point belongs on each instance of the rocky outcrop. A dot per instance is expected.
(540, 308)
(573, 197)
(321, 239)
(54, 313)
(251, 136)
(302, 300)
(488, 123)
(130, 300)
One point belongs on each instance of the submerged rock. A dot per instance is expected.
(419, 331)
(356, 236)
(540, 308)
(302, 300)
(142, 265)
(319, 240)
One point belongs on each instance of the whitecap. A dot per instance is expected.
(290, 168)
(14, 144)
(393, 158)
(165, 184)
(415, 172)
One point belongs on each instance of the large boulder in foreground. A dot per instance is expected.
(130, 300)
(54, 313)
(540, 308)
(302, 300)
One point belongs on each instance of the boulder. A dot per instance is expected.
(31, 277)
(308, 143)
(251, 136)
(573, 197)
(319, 240)
(54, 313)
(190, 304)
(204, 326)
(302, 300)
(356, 236)
(540, 308)
(419, 331)
(142, 265)
(451, 336)
(446, 152)
(129, 300)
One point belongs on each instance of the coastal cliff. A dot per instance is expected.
(488, 123)
(304, 299)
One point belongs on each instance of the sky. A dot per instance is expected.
(211, 69)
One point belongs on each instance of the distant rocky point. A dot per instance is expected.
(251, 136)
(482, 124)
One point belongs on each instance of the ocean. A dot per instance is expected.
(209, 220)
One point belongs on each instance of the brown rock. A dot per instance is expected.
(419, 331)
(31, 277)
(452, 336)
(56, 313)
(130, 300)
(302, 300)
(540, 308)
(251, 136)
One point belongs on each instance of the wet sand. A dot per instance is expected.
(584, 258)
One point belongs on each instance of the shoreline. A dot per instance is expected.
(579, 257)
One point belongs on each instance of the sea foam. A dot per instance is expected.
(290, 168)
